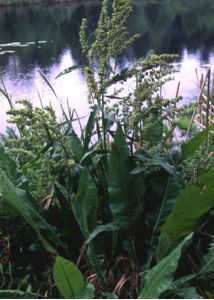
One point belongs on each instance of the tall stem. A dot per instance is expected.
(103, 123)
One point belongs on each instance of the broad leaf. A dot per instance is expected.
(159, 278)
(75, 145)
(68, 278)
(85, 206)
(147, 161)
(191, 204)
(189, 148)
(125, 189)
(120, 181)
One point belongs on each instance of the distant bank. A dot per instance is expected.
(35, 2)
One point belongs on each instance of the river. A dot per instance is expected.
(46, 39)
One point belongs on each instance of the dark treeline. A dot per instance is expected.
(169, 26)
(4, 3)
(58, 25)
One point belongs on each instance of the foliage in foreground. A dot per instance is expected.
(120, 210)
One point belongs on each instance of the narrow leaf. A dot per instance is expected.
(123, 75)
(69, 70)
(89, 128)
(114, 226)
(49, 84)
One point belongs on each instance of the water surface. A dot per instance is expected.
(46, 39)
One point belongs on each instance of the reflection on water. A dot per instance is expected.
(46, 39)
(29, 83)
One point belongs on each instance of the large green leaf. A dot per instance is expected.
(17, 201)
(159, 278)
(189, 148)
(85, 206)
(68, 278)
(120, 181)
(191, 204)
(125, 190)
(147, 160)
(75, 146)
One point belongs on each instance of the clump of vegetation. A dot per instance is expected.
(119, 211)
(183, 119)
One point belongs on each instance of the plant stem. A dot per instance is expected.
(150, 255)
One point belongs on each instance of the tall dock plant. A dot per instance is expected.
(111, 39)
(140, 108)
(139, 117)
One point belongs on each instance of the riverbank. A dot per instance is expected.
(6, 3)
